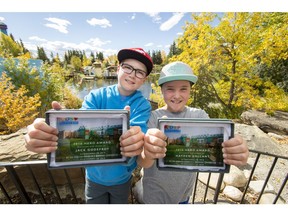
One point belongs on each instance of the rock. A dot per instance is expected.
(268, 198)
(275, 124)
(256, 187)
(276, 136)
(233, 193)
(203, 177)
(12, 148)
(235, 177)
(257, 140)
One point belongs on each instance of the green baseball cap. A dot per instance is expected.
(177, 71)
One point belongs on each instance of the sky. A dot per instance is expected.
(109, 25)
(105, 32)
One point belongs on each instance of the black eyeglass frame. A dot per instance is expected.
(131, 69)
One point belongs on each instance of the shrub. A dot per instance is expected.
(70, 100)
(17, 109)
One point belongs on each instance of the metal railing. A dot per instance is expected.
(248, 196)
(32, 189)
(61, 186)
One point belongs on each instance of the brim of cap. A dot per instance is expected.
(190, 78)
(130, 54)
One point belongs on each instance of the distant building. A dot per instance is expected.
(3, 28)
(94, 70)
(110, 72)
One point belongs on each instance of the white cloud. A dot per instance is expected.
(103, 23)
(149, 44)
(2, 19)
(133, 16)
(155, 17)
(171, 22)
(36, 38)
(97, 42)
(180, 33)
(58, 24)
(60, 47)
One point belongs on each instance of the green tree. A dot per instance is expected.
(226, 54)
(156, 57)
(100, 56)
(86, 61)
(48, 83)
(76, 62)
(17, 108)
(41, 54)
(25, 50)
(173, 50)
(277, 72)
(8, 47)
(92, 57)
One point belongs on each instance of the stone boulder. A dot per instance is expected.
(275, 124)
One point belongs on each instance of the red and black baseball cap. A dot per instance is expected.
(138, 54)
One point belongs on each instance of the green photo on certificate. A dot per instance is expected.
(195, 144)
(87, 137)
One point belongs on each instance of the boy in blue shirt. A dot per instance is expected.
(109, 184)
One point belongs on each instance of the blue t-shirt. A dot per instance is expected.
(140, 108)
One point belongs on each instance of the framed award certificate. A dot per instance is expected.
(87, 137)
(195, 144)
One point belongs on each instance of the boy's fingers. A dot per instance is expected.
(56, 105)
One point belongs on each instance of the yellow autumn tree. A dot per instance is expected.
(8, 47)
(224, 51)
(17, 109)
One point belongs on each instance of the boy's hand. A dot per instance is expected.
(131, 142)
(40, 137)
(235, 151)
(155, 144)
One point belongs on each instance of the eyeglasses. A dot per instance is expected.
(128, 69)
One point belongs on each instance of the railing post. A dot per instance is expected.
(24, 196)
(218, 188)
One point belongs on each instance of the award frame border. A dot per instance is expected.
(197, 122)
(93, 114)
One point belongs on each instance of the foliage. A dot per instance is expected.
(81, 55)
(225, 56)
(76, 62)
(86, 61)
(48, 82)
(156, 57)
(277, 73)
(111, 60)
(42, 54)
(173, 50)
(156, 95)
(100, 56)
(17, 108)
(8, 47)
(70, 100)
